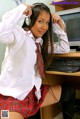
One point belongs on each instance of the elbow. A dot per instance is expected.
(67, 50)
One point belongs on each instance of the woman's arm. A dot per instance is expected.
(9, 23)
(60, 29)
(57, 19)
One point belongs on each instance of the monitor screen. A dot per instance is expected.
(72, 20)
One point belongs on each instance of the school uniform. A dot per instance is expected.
(21, 87)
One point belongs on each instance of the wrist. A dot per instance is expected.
(62, 25)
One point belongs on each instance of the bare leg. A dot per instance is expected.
(14, 115)
(53, 95)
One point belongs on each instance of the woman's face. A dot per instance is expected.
(41, 25)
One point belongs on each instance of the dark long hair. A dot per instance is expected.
(48, 36)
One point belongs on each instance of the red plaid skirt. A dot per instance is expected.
(27, 107)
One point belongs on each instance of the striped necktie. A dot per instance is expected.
(40, 61)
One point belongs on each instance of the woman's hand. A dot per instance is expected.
(57, 19)
(28, 11)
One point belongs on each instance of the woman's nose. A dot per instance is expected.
(44, 26)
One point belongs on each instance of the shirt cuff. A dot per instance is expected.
(22, 7)
(58, 30)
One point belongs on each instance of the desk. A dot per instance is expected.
(54, 78)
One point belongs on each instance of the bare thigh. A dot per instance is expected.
(53, 95)
(14, 115)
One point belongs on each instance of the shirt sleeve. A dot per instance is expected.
(63, 44)
(9, 23)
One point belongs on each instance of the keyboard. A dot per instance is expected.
(64, 65)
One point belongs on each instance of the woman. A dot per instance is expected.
(21, 89)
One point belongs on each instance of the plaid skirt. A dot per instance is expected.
(27, 107)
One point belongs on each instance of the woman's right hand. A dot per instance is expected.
(28, 11)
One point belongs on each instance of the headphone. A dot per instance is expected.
(28, 20)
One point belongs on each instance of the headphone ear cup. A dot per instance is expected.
(28, 20)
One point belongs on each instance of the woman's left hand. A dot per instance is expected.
(57, 19)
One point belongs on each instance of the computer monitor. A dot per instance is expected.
(71, 18)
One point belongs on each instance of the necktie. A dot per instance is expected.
(40, 61)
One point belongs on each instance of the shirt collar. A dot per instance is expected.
(37, 40)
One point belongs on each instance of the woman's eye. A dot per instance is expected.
(40, 21)
(43, 22)
(47, 23)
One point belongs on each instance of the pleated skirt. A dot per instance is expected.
(27, 107)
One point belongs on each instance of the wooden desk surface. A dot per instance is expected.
(70, 54)
(54, 78)
(63, 73)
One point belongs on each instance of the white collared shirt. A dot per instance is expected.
(18, 76)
